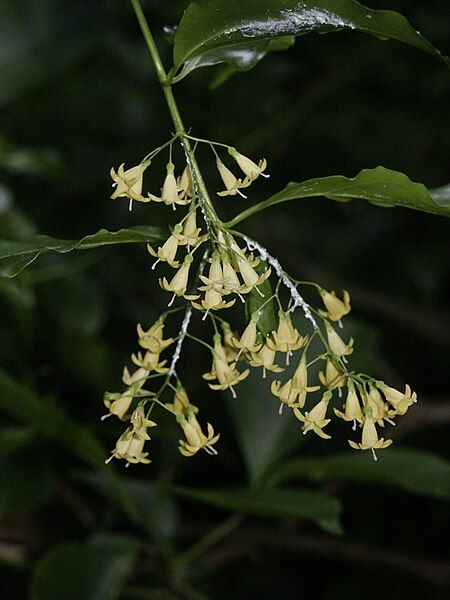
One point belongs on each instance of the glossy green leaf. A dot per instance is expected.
(411, 470)
(95, 570)
(15, 256)
(240, 32)
(259, 302)
(287, 502)
(379, 186)
(264, 436)
(227, 70)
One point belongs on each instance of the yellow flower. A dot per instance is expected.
(167, 251)
(249, 275)
(189, 235)
(337, 345)
(228, 335)
(379, 409)
(195, 438)
(179, 282)
(370, 439)
(185, 184)
(399, 400)
(286, 338)
(129, 183)
(247, 342)
(152, 339)
(300, 381)
(232, 184)
(352, 408)
(140, 423)
(331, 377)
(213, 288)
(130, 448)
(265, 359)
(181, 404)
(287, 394)
(251, 169)
(336, 308)
(226, 374)
(117, 406)
(169, 192)
(149, 361)
(315, 420)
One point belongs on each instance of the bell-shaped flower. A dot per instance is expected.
(118, 404)
(370, 439)
(247, 342)
(332, 378)
(180, 404)
(352, 408)
(226, 374)
(213, 288)
(189, 234)
(195, 438)
(378, 408)
(169, 192)
(130, 448)
(228, 335)
(167, 251)
(286, 338)
(149, 361)
(185, 183)
(399, 400)
(232, 184)
(152, 339)
(336, 308)
(140, 423)
(179, 282)
(286, 393)
(265, 358)
(300, 381)
(129, 183)
(337, 346)
(250, 276)
(315, 420)
(251, 169)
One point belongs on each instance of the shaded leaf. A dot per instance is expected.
(15, 255)
(259, 302)
(267, 503)
(379, 186)
(240, 32)
(155, 509)
(264, 436)
(411, 470)
(95, 570)
(21, 402)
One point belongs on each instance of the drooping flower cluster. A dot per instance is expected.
(211, 282)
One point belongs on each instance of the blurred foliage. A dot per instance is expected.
(78, 95)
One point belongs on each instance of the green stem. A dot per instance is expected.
(199, 185)
(210, 539)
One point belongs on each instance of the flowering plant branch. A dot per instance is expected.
(234, 272)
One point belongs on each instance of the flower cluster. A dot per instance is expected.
(225, 272)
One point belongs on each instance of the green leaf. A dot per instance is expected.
(287, 502)
(240, 32)
(380, 186)
(259, 302)
(255, 418)
(46, 418)
(92, 571)
(411, 470)
(16, 255)
(227, 70)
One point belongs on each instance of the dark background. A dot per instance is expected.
(77, 95)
